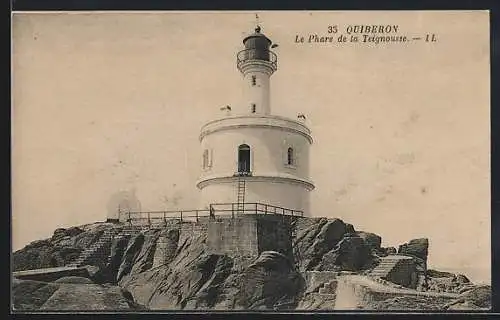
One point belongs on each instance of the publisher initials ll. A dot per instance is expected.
(430, 38)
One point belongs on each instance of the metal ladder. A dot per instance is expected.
(241, 195)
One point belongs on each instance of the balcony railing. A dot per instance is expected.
(257, 54)
(160, 217)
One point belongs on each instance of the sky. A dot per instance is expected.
(111, 102)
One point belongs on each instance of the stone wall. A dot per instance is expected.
(192, 229)
(404, 273)
(236, 236)
(249, 235)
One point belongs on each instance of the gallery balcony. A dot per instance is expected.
(257, 55)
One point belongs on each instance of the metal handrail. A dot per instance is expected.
(257, 54)
(218, 208)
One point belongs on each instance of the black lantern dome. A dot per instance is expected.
(257, 48)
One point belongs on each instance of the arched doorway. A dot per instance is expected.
(244, 159)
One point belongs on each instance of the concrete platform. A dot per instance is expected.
(51, 274)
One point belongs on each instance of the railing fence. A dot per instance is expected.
(161, 217)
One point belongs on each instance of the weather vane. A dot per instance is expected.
(257, 28)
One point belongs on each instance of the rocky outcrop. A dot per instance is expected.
(62, 248)
(68, 293)
(269, 282)
(62, 233)
(372, 240)
(45, 254)
(334, 245)
(417, 248)
(31, 295)
(171, 269)
(475, 298)
(169, 286)
(443, 274)
(389, 250)
(198, 280)
(351, 253)
(440, 281)
(406, 303)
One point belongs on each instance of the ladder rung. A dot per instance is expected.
(241, 195)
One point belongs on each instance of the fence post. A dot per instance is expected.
(265, 209)
(165, 217)
(196, 216)
(149, 218)
(256, 208)
(129, 218)
(232, 210)
(181, 216)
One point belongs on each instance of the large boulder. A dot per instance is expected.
(417, 248)
(43, 254)
(196, 286)
(390, 250)
(371, 239)
(118, 247)
(318, 239)
(476, 298)
(305, 236)
(130, 255)
(144, 258)
(480, 296)
(31, 295)
(351, 254)
(87, 297)
(440, 281)
(196, 280)
(61, 233)
(172, 286)
(460, 278)
(269, 282)
(65, 245)
(67, 293)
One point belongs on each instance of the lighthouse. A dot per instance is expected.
(251, 158)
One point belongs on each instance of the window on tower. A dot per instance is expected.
(244, 159)
(253, 107)
(290, 157)
(254, 80)
(205, 159)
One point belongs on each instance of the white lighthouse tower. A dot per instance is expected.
(251, 157)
